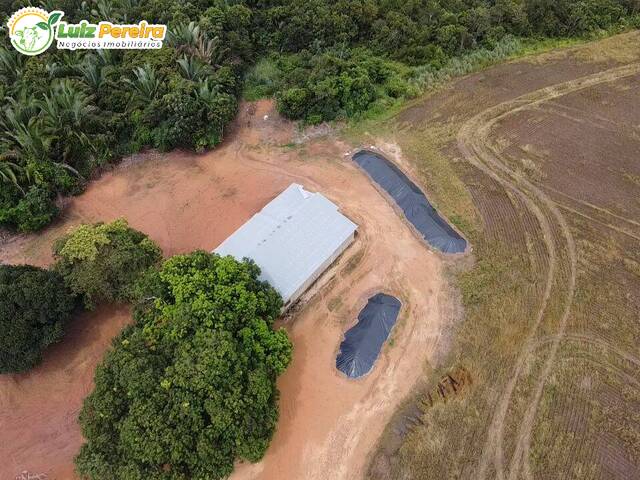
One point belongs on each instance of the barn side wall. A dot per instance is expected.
(320, 270)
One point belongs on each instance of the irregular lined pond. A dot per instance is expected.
(413, 203)
(362, 343)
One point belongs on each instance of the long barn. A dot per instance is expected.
(293, 240)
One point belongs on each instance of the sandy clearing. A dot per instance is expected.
(39, 432)
(183, 201)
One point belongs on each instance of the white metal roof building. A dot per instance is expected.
(293, 239)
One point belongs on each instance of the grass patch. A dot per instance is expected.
(262, 80)
(334, 304)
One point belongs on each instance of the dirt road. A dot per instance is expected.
(328, 424)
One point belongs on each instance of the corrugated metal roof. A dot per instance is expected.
(290, 238)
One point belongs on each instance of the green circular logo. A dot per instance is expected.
(31, 29)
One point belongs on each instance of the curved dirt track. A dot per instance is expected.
(328, 423)
(475, 144)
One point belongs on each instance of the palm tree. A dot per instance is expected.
(66, 64)
(19, 133)
(209, 50)
(68, 117)
(183, 36)
(30, 142)
(10, 65)
(104, 10)
(94, 72)
(128, 6)
(146, 83)
(9, 171)
(68, 107)
(192, 69)
(28, 147)
(189, 39)
(106, 57)
(20, 109)
(207, 93)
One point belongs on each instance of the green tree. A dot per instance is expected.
(34, 307)
(146, 84)
(103, 261)
(70, 118)
(33, 210)
(190, 387)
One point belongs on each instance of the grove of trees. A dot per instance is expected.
(189, 387)
(68, 113)
(102, 262)
(94, 264)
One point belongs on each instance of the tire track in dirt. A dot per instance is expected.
(594, 341)
(474, 144)
(599, 222)
(600, 210)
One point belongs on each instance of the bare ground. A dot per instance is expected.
(328, 423)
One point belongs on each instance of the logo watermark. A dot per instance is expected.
(33, 30)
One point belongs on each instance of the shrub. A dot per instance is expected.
(34, 307)
(102, 262)
(33, 211)
(190, 387)
(292, 103)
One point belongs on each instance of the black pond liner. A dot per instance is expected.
(434, 229)
(362, 343)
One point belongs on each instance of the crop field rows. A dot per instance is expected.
(553, 176)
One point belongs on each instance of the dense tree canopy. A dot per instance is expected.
(68, 113)
(190, 387)
(34, 307)
(102, 262)
(335, 59)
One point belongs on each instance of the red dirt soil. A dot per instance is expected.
(39, 410)
(328, 424)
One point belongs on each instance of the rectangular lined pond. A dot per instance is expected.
(413, 203)
(362, 343)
